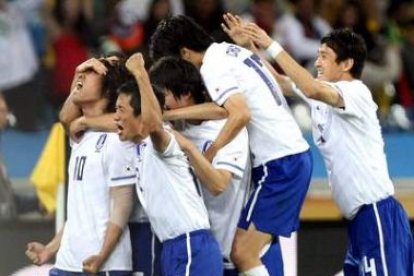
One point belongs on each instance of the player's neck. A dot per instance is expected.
(94, 109)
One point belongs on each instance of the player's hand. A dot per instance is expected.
(77, 128)
(233, 27)
(211, 152)
(258, 35)
(185, 144)
(136, 65)
(92, 64)
(92, 264)
(38, 253)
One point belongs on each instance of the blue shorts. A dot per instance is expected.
(272, 260)
(146, 249)
(380, 241)
(194, 253)
(58, 272)
(280, 187)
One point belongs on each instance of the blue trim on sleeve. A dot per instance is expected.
(123, 177)
(226, 92)
(231, 165)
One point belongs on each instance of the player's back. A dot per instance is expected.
(224, 210)
(168, 192)
(228, 69)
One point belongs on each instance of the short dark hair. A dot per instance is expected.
(174, 33)
(116, 75)
(131, 88)
(347, 44)
(179, 76)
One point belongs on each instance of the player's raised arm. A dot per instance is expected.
(150, 109)
(216, 180)
(70, 111)
(204, 111)
(311, 87)
(239, 117)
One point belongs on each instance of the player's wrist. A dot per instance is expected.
(274, 49)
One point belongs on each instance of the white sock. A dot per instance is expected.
(256, 271)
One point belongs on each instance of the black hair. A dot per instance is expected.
(347, 44)
(116, 75)
(179, 76)
(131, 89)
(174, 33)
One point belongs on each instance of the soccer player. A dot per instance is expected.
(100, 194)
(282, 163)
(145, 245)
(347, 132)
(226, 182)
(166, 187)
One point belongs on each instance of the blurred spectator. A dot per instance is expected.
(68, 23)
(158, 10)
(18, 65)
(302, 30)
(11, 204)
(125, 28)
(209, 14)
(383, 64)
(264, 13)
(405, 84)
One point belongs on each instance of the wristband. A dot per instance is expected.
(274, 49)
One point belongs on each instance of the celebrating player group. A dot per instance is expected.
(196, 166)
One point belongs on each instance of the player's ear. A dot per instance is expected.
(185, 53)
(347, 64)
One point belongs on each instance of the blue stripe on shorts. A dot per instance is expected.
(194, 253)
(380, 241)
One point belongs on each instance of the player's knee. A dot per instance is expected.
(240, 254)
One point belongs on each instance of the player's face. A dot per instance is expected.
(326, 65)
(88, 87)
(128, 125)
(172, 102)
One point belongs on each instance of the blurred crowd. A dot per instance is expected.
(42, 41)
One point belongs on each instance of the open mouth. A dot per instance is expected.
(79, 85)
(120, 128)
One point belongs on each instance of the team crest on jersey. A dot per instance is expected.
(233, 50)
(100, 143)
(140, 150)
(206, 145)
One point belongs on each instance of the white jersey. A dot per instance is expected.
(98, 162)
(167, 190)
(224, 210)
(273, 133)
(351, 144)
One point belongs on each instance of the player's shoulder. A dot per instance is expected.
(111, 140)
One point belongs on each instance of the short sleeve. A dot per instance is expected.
(120, 162)
(219, 81)
(354, 96)
(234, 156)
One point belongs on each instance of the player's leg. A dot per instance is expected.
(270, 256)
(145, 249)
(381, 239)
(273, 208)
(246, 249)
